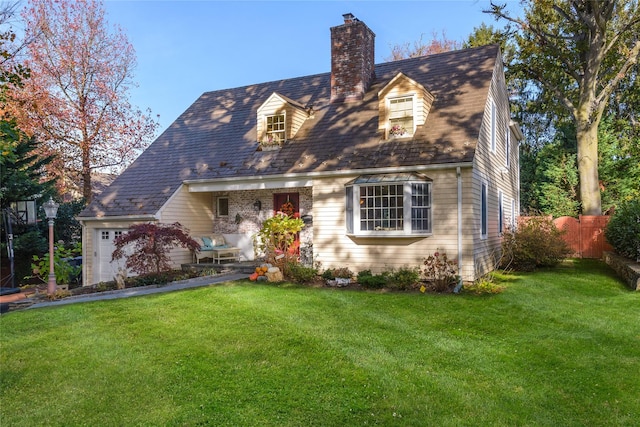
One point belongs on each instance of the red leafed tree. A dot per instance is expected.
(146, 246)
(422, 48)
(76, 101)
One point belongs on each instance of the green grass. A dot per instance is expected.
(557, 347)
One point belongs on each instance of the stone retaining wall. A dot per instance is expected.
(626, 269)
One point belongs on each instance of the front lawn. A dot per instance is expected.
(557, 347)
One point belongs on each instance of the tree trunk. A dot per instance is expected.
(587, 136)
(86, 175)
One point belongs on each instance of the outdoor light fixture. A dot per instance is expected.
(257, 206)
(51, 210)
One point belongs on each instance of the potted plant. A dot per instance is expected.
(270, 142)
(397, 130)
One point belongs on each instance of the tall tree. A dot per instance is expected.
(437, 44)
(12, 74)
(578, 52)
(76, 100)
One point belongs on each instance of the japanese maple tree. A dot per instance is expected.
(146, 246)
(76, 100)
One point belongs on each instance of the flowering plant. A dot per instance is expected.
(397, 130)
(270, 140)
(441, 271)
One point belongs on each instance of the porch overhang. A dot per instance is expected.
(118, 218)
(263, 182)
(248, 184)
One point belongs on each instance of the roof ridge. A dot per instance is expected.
(435, 55)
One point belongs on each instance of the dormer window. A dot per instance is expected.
(278, 120)
(403, 105)
(401, 116)
(276, 128)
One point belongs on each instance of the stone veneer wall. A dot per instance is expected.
(626, 269)
(243, 219)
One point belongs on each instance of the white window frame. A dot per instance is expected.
(273, 133)
(484, 209)
(353, 211)
(513, 214)
(409, 132)
(219, 209)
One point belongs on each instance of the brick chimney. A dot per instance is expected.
(352, 60)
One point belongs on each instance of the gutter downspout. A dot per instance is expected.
(459, 177)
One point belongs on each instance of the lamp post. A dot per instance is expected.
(51, 210)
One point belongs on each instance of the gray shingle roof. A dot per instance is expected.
(216, 136)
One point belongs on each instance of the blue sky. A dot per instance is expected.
(186, 48)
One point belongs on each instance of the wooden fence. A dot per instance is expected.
(584, 235)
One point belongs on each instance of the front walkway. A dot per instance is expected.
(145, 290)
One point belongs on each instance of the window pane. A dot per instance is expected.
(223, 206)
(420, 207)
(276, 128)
(381, 208)
(401, 116)
(349, 209)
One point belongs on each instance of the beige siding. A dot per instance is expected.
(333, 248)
(491, 168)
(194, 211)
(294, 116)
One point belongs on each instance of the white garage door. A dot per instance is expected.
(105, 269)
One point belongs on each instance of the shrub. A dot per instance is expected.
(371, 281)
(328, 274)
(299, 273)
(277, 238)
(404, 277)
(623, 229)
(535, 243)
(441, 271)
(484, 285)
(65, 272)
(149, 246)
(29, 243)
(332, 273)
(25, 246)
(67, 227)
(148, 279)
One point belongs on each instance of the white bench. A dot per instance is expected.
(216, 248)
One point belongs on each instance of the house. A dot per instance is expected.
(386, 163)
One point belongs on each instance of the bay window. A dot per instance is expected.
(388, 205)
